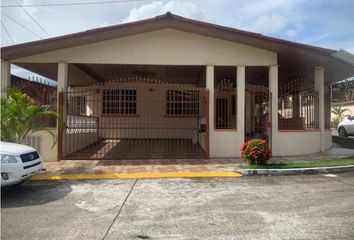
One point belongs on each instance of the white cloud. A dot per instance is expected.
(186, 9)
(291, 33)
(268, 24)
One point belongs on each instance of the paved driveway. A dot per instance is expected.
(292, 207)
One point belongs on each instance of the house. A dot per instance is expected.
(172, 87)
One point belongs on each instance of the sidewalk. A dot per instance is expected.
(146, 168)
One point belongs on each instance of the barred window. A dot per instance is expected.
(119, 101)
(182, 103)
(76, 105)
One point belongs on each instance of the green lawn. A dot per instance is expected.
(318, 163)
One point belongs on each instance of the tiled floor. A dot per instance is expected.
(141, 166)
(140, 149)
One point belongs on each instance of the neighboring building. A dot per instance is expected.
(171, 87)
(41, 92)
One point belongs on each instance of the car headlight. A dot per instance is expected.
(6, 158)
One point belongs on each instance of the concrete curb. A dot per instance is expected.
(296, 171)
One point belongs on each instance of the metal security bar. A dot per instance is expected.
(257, 122)
(225, 104)
(327, 105)
(298, 105)
(135, 118)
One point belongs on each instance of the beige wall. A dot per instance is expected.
(47, 152)
(165, 47)
(224, 144)
(293, 143)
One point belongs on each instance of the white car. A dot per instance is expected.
(346, 127)
(18, 163)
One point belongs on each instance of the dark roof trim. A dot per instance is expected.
(167, 20)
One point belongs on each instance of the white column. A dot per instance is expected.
(319, 86)
(273, 88)
(5, 75)
(62, 87)
(62, 76)
(241, 88)
(210, 87)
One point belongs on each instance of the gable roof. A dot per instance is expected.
(167, 20)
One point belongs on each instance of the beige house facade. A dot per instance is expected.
(171, 87)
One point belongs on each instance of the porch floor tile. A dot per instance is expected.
(141, 166)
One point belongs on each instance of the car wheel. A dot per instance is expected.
(342, 132)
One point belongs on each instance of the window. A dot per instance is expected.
(182, 103)
(77, 105)
(119, 101)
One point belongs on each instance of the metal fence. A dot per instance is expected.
(134, 118)
(298, 105)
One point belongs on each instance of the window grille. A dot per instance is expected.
(182, 103)
(119, 101)
(298, 105)
(77, 105)
(225, 97)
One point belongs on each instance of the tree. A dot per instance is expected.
(339, 115)
(347, 87)
(18, 116)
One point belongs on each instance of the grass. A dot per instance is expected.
(318, 163)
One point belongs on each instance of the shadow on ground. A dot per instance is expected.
(33, 194)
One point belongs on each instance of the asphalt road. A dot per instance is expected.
(291, 207)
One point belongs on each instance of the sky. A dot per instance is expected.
(323, 23)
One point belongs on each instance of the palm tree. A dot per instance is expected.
(18, 116)
(339, 112)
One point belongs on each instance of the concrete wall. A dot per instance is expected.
(327, 139)
(165, 47)
(293, 143)
(224, 144)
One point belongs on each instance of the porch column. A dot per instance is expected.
(210, 87)
(62, 76)
(319, 86)
(62, 83)
(241, 88)
(5, 75)
(62, 87)
(273, 88)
